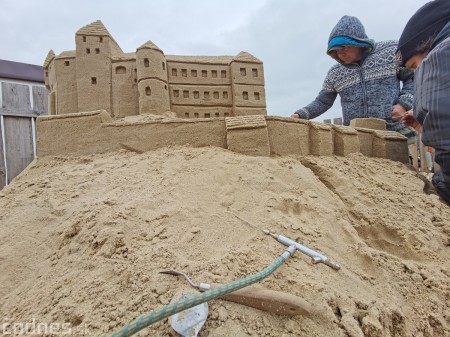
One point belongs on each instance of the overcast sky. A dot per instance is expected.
(289, 36)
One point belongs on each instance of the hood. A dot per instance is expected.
(425, 24)
(350, 26)
(443, 34)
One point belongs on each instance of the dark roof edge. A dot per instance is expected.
(21, 71)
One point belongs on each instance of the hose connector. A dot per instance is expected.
(315, 256)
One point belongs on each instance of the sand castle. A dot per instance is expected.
(99, 75)
(219, 101)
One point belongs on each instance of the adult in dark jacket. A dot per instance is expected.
(425, 47)
(367, 78)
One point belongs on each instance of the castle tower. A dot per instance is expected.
(152, 79)
(247, 80)
(50, 81)
(94, 49)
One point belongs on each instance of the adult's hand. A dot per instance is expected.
(295, 116)
(398, 111)
(409, 120)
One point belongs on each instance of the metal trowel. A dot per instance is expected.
(189, 322)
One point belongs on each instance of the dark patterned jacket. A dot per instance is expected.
(368, 89)
(432, 103)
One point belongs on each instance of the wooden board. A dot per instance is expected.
(15, 97)
(19, 144)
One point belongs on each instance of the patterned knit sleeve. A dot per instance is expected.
(322, 103)
(406, 97)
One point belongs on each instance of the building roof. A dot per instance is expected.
(21, 71)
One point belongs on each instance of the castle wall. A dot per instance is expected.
(248, 135)
(345, 140)
(288, 136)
(96, 132)
(197, 95)
(199, 73)
(125, 95)
(206, 86)
(321, 139)
(389, 145)
(74, 134)
(183, 111)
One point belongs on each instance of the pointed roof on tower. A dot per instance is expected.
(95, 28)
(150, 45)
(49, 58)
(243, 56)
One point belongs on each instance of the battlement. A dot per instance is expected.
(96, 132)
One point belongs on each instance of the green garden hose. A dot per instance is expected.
(196, 299)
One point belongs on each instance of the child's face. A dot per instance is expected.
(414, 61)
(349, 54)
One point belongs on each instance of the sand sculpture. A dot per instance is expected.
(219, 101)
(99, 75)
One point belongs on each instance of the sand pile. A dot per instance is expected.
(83, 240)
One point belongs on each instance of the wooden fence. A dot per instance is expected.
(20, 103)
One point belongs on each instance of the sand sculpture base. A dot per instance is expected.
(96, 132)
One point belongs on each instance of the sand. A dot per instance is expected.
(83, 240)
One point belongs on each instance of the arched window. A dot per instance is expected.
(121, 70)
(148, 91)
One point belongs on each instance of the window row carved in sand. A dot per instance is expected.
(215, 94)
(205, 114)
(175, 72)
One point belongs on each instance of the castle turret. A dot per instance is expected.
(152, 79)
(50, 81)
(48, 60)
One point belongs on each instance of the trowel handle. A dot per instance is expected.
(272, 301)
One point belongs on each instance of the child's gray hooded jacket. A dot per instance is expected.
(368, 89)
